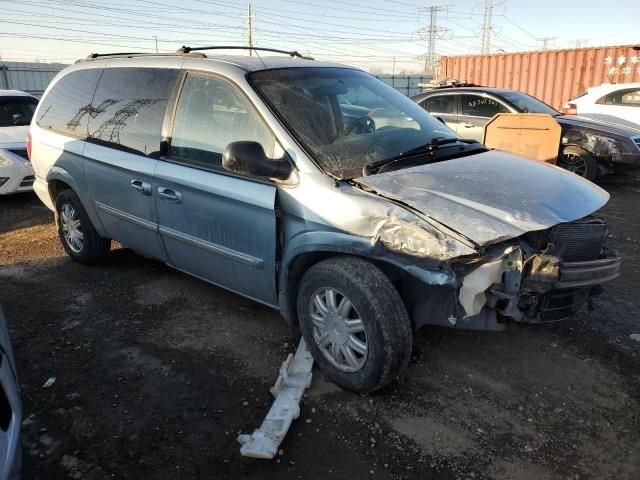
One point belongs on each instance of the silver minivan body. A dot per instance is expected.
(453, 229)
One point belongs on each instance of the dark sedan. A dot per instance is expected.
(589, 147)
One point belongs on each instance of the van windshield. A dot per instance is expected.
(346, 118)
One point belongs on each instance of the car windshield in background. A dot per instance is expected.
(346, 118)
(528, 104)
(16, 111)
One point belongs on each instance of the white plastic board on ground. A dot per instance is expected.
(294, 378)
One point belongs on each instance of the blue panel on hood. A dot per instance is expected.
(491, 196)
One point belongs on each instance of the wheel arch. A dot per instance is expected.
(59, 179)
(308, 249)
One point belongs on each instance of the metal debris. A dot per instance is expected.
(294, 378)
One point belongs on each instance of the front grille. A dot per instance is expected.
(578, 241)
(21, 153)
(28, 181)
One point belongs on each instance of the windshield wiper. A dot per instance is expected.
(430, 147)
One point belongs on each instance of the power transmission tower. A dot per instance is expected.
(430, 34)
(580, 42)
(250, 30)
(487, 24)
(546, 42)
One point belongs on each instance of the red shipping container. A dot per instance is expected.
(553, 76)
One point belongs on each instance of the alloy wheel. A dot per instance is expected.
(71, 228)
(338, 329)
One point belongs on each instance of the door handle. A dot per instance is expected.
(140, 186)
(468, 125)
(169, 195)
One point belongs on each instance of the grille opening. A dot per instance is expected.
(6, 412)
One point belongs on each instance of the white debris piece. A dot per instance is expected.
(49, 382)
(635, 336)
(294, 378)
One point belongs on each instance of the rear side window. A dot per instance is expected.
(65, 109)
(128, 108)
(440, 104)
(211, 113)
(625, 98)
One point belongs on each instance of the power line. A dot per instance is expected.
(487, 26)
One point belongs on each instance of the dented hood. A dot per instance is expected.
(491, 196)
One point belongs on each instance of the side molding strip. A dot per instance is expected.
(213, 247)
(128, 217)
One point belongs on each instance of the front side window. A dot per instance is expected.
(346, 118)
(67, 106)
(211, 114)
(16, 111)
(128, 108)
(444, 104)
(480, 106)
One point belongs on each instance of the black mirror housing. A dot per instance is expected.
(248, 158)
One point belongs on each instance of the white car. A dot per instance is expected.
(16, 110)
(609, 101)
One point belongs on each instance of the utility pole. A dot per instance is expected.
(487, 25)
(250, 30)
(156, 38)
(430, 34)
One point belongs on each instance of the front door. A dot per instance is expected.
(475, 113)
(125, 130)
(215, 225)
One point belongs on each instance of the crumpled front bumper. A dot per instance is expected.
(551, 273)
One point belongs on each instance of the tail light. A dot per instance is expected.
(570, 109)
(29, 145)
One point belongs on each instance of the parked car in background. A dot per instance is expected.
(608, 102)
(10, 408)
(16, 111)
(270, 177)
(589, 147)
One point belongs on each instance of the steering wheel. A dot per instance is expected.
(363, 124)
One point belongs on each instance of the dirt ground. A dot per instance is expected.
(158, 372)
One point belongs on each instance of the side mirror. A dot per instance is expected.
(442, 120)
(248, 158)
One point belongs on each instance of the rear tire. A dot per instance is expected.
(577, 160)
(77, 234)
(354, 323)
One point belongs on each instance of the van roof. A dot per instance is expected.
(14, 93)
(246, 62)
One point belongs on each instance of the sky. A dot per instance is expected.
(377, 35)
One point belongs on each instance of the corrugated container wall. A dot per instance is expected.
(32, 77)
(553, 76)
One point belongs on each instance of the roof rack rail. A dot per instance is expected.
(96, 56)
(291, 53)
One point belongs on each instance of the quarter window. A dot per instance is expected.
(480, 106)
(65, 109)
(129, 106)
(440, 104)
(211, 113)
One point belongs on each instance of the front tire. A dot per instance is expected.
(577, 160)
(354, 323)
(77, 234)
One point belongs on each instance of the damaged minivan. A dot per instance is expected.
(318, 190)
